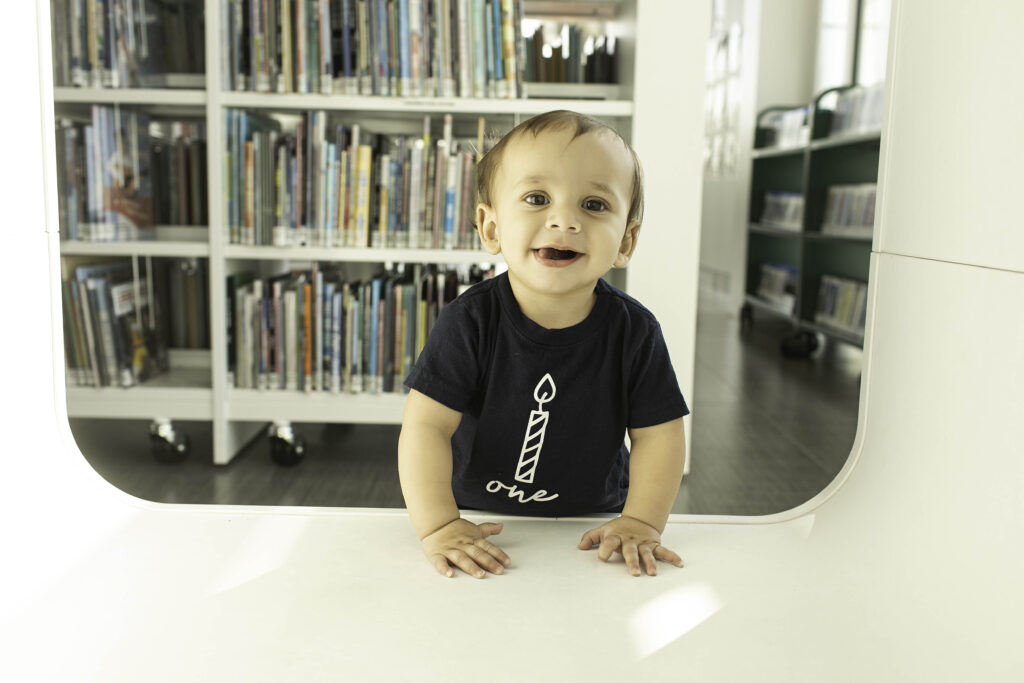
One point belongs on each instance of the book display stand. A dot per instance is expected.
(811, 214)
(200, 384)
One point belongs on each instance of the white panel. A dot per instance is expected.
(663, 273)
(954, 140)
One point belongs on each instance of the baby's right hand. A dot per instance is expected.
(464, 545)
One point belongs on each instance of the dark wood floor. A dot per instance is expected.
(768, 433)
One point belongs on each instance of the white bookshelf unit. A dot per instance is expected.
(651, 35)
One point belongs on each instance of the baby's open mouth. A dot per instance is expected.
(550, 253)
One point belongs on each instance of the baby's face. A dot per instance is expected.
(560, 209)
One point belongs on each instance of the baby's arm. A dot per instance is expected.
(657, 455)
(425, 471)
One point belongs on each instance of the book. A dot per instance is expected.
(841, 304)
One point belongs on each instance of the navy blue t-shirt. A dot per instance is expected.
(545, 412)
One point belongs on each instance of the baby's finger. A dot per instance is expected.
(647, 558)
(666, 555)
(484, 559)
(590, 539)
(464, 562)
(490, 529)
(609, 544)
(632, 558)
(442, 566)
(494, 551)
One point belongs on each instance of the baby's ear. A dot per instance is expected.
(487, 227)
(628, 244)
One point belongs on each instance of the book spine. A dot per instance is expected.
(347, 67)
(409, 343)
(479, 49)
(383, 71)
(326, 53)
(404, 45)
(415, 23)
(451, 200)
(286, 82)
(301, 49)
(291, 340)
(313, 36)
(364, 73)
(375, 335)
(463, 49)
(449, 47)
(353, 187)
(336, 326)
(363, 168)
(318, 327)
(358, 307)
(394, 53)
(307, 337)
(309, 219)
(91, 334)
(346, 337)
(500, 84)
(440, 192)
(261, 309)
(76, 30)
(508, 46)
(464, 231)
(324, 153)
(343, 199)
(403, 206)
(101, 298)
(380, 236)
(397, 353)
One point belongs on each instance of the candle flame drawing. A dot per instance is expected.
(529, 456)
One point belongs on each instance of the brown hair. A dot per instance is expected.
(487, 168)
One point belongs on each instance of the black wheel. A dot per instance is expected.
(287, 453)
(800, 344)
(168, 445)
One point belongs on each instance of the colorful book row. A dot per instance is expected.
(574, 54)
(104, 191)
(842, 304)
(850, 210)
(126, 43)
(404, 48)
(333, 185)
(117, 187)
(783, 210)
(317, 330)
(118, 328)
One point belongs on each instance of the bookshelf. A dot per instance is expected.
(197, 385)
(811, 213)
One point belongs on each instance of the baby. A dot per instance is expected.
(528, 383)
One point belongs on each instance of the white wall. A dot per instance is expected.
(667, 137)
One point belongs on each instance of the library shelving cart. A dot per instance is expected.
(810, 216)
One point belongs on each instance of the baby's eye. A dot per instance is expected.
(536, 199)
(594, 205)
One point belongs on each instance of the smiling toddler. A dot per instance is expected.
(529, 382)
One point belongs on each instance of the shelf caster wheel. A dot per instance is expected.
(800, 344)
(166, 444)
(286, 448)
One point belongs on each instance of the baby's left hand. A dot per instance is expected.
(637, 542)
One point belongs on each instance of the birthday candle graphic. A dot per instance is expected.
(534, 439)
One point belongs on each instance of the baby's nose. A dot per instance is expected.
(562, 219)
